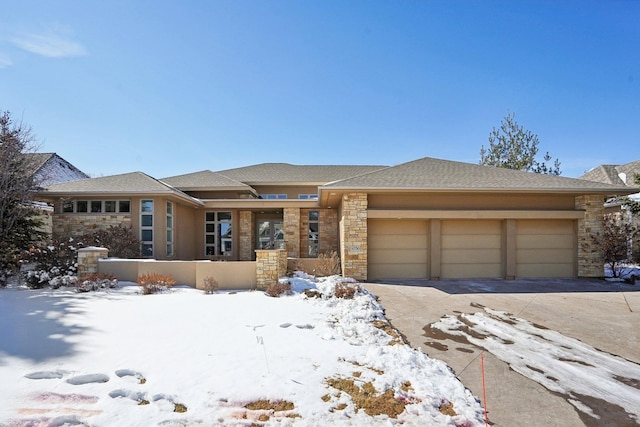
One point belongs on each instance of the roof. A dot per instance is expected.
(266, 173)
(133, 183)
(445, 175)
(50, 168)
(611, 174)
(205, 180)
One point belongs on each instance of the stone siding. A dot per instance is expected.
(270, 266)
(247, 234)
(328, 230)
(353, 229)
(291, 219)
(88, 259)
(76, 225)
(590, 256)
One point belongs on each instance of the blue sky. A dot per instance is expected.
(168, 87)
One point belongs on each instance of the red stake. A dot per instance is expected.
(484, 391)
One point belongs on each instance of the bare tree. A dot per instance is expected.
(512, 147)
(615, 242)
(18, 216)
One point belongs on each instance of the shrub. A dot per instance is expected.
(53, 264)
(277, 289)
(328, 264)
(120, 240)
(152, 283)
(346, 290)
(96, 281)
(210, 285)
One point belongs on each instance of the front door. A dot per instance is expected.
(270, 234)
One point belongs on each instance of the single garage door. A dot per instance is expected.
(397, 249)
(471, 249)
(545, 248)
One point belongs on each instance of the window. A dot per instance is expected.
(273, 196)
(314, 233)
(218, 235)
(96, 206)
(146, 227)
(169, 229)
(308, 196)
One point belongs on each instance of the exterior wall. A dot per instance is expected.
(88, 259)
(291, 219)
(247, 235)
(76, 225)
(328, 230)
(230, 275)
(353, 232)
(185, 232)
(590, 256)
(470, 201)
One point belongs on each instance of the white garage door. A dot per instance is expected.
(471, 249)
(545, 248)
(397, 249)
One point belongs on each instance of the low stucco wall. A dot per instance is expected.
(228, 274)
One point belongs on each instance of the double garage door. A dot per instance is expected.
(403, 249)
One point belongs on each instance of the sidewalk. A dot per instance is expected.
(602, 314)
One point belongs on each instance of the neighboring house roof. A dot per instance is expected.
(49, 168)
(266, 173)
(445, 175)
(614, 174)
(206, 180)
(133, 183)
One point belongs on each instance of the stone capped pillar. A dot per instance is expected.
(270, 266)
(353, 230)
(590, 256)
(291, 219)
(88, 259)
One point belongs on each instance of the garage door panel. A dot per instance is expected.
(398, 271)
(470, 256)
(466, 270)
(545, 248)
(395, 227)
(478, 241)
(544, 241)
(544, 270)
(386, 256)
(471, 227)
(398, 242)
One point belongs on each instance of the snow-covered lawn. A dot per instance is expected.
(184, 358)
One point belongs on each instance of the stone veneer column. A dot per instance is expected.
(291, 219)
(590, 256)
(353, 230)
(328, 226)
(270, 266)
(88, 259)
(247, 236)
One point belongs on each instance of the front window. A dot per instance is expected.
(273, 196)
(96, 206)
(146, 227)
(169, 229)
(218, 235)
(314, 233)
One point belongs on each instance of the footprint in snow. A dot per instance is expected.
(88, 379)
(285, 325)
(131, 374)
(168, 402)
(307, 326)
(66, 421)
(46, 375)
(136, 396)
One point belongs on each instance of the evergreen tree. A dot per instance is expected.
(19, 218)
(512, 147)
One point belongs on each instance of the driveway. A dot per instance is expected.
(600, 314)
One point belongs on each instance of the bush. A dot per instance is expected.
(328, 264)
(96, 281)
(120, 240)
(346, 290)
(210, 285)
(152, 283)
(54, 264)
(277, 289)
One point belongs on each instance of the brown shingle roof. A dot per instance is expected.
(133, 183)
(611, 173)
(287, 173)
(445, 175)
(205, 179)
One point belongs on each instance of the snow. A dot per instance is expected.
(92, 358)
(561, 364)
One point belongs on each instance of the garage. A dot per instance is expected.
(398, 249)
(471, 249)
(545, 248)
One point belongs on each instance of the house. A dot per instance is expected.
(428, 218)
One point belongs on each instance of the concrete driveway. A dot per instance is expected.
(604, 315)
